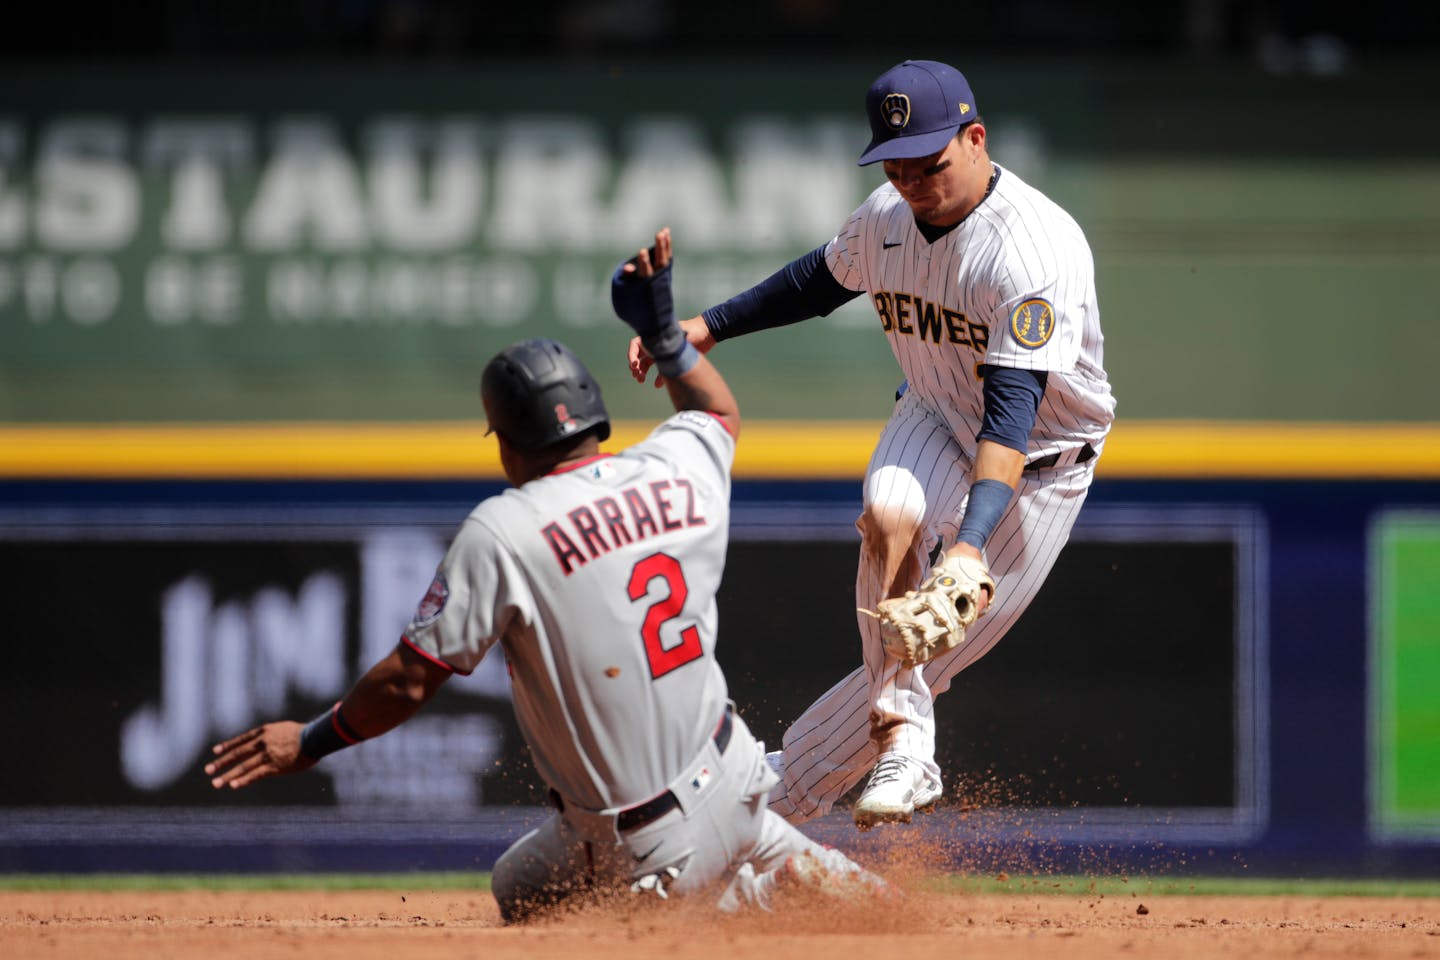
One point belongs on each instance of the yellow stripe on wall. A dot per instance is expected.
(768, 449)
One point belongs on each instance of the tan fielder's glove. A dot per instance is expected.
(931, 620)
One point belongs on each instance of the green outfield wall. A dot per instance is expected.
(326, 244)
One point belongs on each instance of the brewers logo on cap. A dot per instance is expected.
(896, 110)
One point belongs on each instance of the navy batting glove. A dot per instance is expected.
(647, 307)
(644, 303)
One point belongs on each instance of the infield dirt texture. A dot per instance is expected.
(418, 924)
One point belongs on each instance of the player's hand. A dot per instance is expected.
(639, 360)
(640, 292)
(648, 261)
(645, 265)
(935, 617)
(966, 550)
(256, 754)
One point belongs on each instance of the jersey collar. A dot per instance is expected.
(579, 463)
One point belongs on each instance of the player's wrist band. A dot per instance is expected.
(326, 734)
(680, 363)
(988, 500)
(672, 351)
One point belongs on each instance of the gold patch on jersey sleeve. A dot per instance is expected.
(1032, 323)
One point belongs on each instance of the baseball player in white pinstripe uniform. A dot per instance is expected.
(597, 575)
(985, 290)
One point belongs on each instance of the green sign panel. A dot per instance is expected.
(1405, 675)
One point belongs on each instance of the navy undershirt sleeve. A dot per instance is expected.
(801, 289)
(1012, 399)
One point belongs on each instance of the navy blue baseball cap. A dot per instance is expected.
(914, 108)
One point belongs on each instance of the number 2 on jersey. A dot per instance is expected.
(666, 568)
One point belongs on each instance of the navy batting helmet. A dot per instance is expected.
(536, 392)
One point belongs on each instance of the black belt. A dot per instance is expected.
(632, 818)
(652, 810)
(1087, 452)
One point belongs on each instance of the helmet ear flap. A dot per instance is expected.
(537, 392)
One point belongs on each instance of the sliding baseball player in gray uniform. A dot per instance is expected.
(985, 290)
(597, 574)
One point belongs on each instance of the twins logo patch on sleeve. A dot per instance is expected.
(1032, 323)
(433, 603)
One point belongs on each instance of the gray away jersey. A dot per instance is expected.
(1013, 285)
(599, 583)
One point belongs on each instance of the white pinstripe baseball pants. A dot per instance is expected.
(919, 470)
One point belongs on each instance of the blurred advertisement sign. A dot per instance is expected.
(246, 263)
(172, 644)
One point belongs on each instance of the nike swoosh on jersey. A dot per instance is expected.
(886, 245)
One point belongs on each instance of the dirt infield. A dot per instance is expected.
(420, 924)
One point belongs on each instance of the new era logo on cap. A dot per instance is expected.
(914, 108)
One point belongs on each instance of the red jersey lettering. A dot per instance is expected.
(662, 504)
(614, 520)
(639, 513)
(566, 553)
(692, 519)
(589, 529)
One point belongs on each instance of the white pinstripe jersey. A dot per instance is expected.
(1012, 285)
(599, 582)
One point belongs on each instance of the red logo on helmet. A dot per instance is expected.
(562, 415)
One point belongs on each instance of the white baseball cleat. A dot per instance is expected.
(898, 787)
